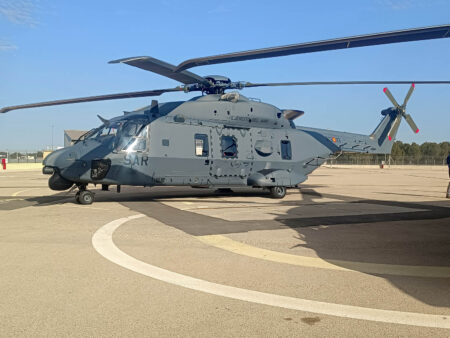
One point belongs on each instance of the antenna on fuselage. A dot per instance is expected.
(154, 108)
(104, 121)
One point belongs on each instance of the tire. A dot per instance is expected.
(277, 192)
(86, 197)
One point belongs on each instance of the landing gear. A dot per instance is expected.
(277, 192)
(84, 196)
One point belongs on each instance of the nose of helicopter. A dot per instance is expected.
(59, 159)
(77, 163)
(56, 163)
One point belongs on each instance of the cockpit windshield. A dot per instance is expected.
(129, 135)
(102, 131)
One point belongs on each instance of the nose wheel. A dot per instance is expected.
(277, 192)
(84, 197)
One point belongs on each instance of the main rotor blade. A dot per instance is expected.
(156, 92)
(390, 97)
(411, 123)
(162, 68)
(320, 83)
(415, 34)
(408, 95)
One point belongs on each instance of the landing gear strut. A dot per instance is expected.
(84, 196)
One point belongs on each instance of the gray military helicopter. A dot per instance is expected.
(219, 139)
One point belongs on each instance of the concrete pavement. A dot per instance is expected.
(344, 221)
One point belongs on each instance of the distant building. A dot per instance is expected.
(71, 136)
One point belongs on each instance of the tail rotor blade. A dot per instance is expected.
(408, 95)
(411, 123)
(390, 97)
(394, 128)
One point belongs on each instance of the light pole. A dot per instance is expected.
(52, 136)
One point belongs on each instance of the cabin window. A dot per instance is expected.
(228, 146)
(201, 145)
(286, 152)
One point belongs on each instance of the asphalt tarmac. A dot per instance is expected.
(353, 252)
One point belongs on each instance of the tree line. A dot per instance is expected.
(428, 153)
(427, 149)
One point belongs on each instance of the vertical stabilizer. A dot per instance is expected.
(384, 134)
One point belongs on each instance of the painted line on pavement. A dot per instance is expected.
(104, 245)
(240, 248)
(84, 207)
(7, 200)
(21, 191)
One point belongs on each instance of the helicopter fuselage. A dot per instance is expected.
(213, 140)
(206, 141)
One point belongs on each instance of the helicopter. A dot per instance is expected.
(219, 139)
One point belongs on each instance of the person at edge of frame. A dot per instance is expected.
(448, 188)
(448, 163)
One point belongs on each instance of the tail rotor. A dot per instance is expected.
(401, 112)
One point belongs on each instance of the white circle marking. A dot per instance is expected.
(104, 245)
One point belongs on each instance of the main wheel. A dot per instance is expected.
(86, 197)
(277, 192)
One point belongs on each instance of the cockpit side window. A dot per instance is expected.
(132, 136)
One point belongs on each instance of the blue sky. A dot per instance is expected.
(60, 49)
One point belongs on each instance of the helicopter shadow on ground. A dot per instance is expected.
(401, 233)
(415, 234)
(417, 237)
(373, 231)
(135, 195)
(9, 203)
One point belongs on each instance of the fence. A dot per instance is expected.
(370, 159)
(22, 157)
